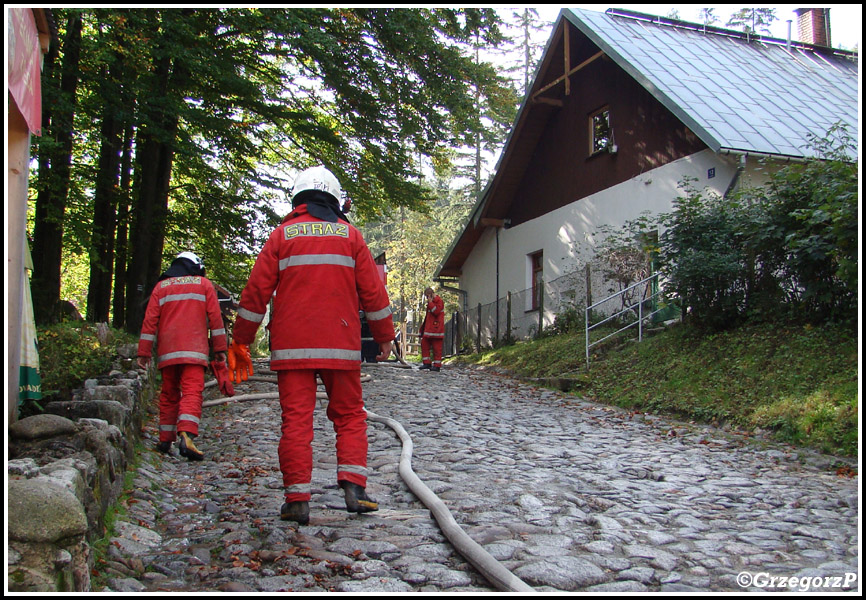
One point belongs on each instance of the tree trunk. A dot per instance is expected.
(155, 153)
(112, 181)
(104, 210)
(148, 226)
(122, 235)
(54, 173)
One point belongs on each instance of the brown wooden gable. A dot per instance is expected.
(546, 162)
(672, 88)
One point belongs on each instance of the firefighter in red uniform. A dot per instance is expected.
(433, 331)
(181, 309)
(323, 273)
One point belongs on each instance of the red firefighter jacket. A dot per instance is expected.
(323, 274)
(434, 320)
(179, 314)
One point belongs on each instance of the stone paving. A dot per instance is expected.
(568, 495)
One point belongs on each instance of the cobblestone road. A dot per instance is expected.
(568, 495)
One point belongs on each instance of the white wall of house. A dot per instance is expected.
(567, 236)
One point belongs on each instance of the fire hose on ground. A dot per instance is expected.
(501, 578)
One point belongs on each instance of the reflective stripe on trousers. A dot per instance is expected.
(180, 400)
(345, 409)
(436, 345)
(181, 354)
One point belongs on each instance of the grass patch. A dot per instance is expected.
(820, 420)
(546, 357)
(798, 381)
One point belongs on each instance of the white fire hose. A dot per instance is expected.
(501, 578)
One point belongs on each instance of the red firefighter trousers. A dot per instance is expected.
(436, 344)
(180, 400)
(345, 410)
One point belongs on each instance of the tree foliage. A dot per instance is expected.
(789, 249)
(708, 16)
(753, 20)
(626, 254)
(190, 125)
(525, 33)
(415, 242)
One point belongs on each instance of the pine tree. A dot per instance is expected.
(708, 16)
(753, 20)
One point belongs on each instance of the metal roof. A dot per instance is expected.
(736, 92)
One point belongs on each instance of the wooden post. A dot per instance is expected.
(508, 315)
(478, 340)
(540, 307)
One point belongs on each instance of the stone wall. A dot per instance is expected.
(66, 469)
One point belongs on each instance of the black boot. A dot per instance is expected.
(357, 500)
(423, 367)
(164, 447)
(296, 511)
(187, 448)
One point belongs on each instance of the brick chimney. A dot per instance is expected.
(813, 25)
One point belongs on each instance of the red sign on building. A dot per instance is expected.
(25, 58)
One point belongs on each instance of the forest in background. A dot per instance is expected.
(167, 130)
(174, 129)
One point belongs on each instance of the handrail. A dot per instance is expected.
(640, 313)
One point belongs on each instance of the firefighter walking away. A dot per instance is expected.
(319, 271)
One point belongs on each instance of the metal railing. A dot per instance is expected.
(639, 308)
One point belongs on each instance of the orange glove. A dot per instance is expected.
(240, 362)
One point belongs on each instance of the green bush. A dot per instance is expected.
(769, 253)
(702, 258)
(71, 352)
(571, 319)
(809, 236)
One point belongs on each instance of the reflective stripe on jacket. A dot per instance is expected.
(179, 314)
(322, 273)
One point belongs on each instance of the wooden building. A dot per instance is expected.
(622, 108)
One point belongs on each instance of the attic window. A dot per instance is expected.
(599, 130)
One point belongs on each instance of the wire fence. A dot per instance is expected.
(520, 315)
(561, 307)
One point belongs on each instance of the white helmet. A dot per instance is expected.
(193, 258)
(317, 179)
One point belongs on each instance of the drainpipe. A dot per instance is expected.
(497, 285)
(497, 224)
(741, 166)
(745, 155)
